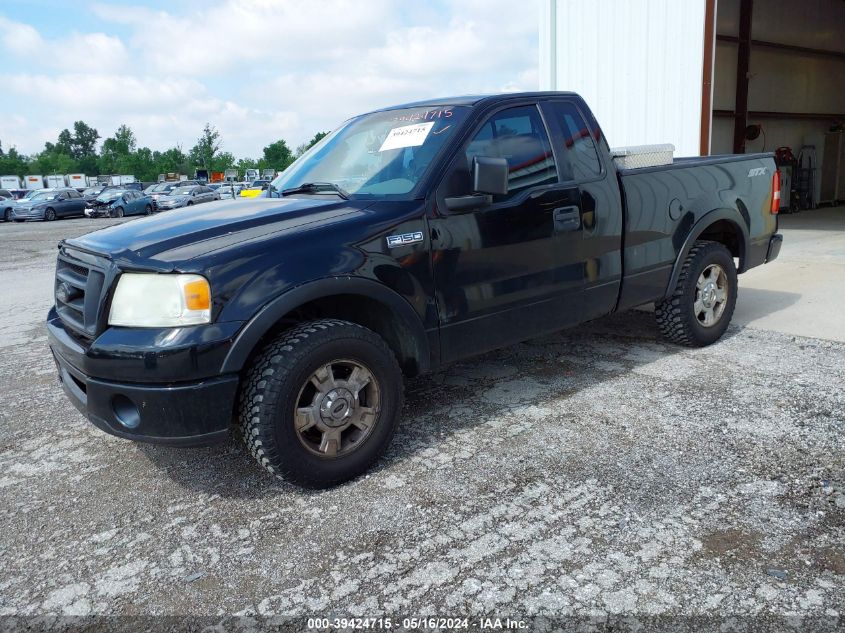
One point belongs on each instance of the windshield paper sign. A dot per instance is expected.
(406, 136)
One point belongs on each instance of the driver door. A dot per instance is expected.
(502, 272)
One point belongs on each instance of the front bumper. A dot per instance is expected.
(27, 214)
(159, 410)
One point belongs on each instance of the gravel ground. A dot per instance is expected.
(589, 473)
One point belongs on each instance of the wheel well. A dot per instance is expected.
(370, 313)
(727, 233)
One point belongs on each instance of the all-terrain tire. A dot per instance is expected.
(676, 317)
(272, 386)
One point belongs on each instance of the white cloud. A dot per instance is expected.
(259, 69)
(77, 52)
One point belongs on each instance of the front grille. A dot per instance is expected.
(78, 291)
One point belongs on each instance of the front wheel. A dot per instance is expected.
(50, 215)
(7, 215)
(118, 213)
(148, 210)
(700, 309)
(321, 402)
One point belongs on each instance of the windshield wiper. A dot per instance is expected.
(316, 186)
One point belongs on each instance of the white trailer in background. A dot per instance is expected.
(77, 181)
(10, 182)
(268, 174)
(125, 180)
(32, 181)
(92, 181)
(250, 175)
(55, 181)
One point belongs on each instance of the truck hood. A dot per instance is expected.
(188, 232)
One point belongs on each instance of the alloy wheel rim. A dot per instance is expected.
(711, 295)
(337, 408)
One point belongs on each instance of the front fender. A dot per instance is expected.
(704, 222)
(255, 329)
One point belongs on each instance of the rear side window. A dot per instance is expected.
(519, 136)
(578, 156)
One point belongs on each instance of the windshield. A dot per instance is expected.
(379, 154)
(111, 194)
(44, 195)
(181, 191)
(90, 191)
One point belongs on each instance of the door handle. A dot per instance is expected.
(567, 218)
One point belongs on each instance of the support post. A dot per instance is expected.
(743, 56)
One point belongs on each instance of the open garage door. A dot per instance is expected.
(779, 85)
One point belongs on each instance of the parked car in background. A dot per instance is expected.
(136, 186)
(116, 203)
(255, 189)
(92, 192)
(49, 204)
(186, 197)
(229, 191)
(166, 188)
(7, 201)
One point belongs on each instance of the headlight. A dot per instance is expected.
(152, 300)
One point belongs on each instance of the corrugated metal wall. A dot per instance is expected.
(638, 63)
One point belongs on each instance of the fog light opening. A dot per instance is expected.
(125, 411)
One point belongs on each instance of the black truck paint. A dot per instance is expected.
(436, 285)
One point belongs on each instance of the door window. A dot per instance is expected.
(519, 136)
(577, 151)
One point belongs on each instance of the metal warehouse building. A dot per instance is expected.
(709, 76)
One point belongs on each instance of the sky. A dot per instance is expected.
(258, 70)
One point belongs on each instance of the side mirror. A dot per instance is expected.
(489, 178)
(490, 175)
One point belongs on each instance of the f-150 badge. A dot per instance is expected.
(403, 240)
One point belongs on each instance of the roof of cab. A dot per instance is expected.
(471, 100)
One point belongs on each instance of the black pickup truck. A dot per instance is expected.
(408, 238)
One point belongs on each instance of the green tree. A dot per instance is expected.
(278, 155)
(116, 156)
(12, 163)
(171, 160)
(301, 149)
(208, 144)
(222, 162)
(81, 143)
(52, 160)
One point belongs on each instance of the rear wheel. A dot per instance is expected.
(118, 213)
(321, 402)
(702, 304)
(7, 215)
(50, 214)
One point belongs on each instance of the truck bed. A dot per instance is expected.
(663, 203)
